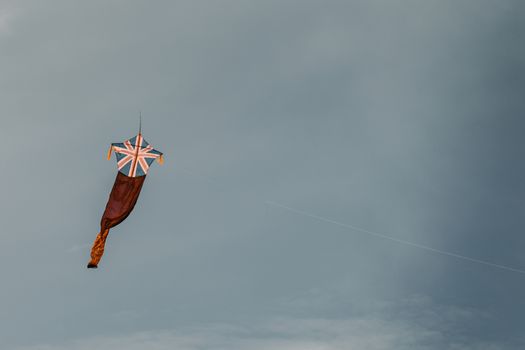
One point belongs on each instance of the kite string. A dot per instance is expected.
(373, 233)
(397, 240)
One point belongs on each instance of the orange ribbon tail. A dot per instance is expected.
(98, 249)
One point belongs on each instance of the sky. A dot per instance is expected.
(403, 118)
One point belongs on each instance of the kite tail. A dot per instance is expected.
(98, 249)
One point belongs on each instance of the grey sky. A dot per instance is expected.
(402, 117)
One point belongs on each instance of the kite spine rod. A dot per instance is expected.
(140, 122)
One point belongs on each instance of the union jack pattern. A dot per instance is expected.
(134, 156)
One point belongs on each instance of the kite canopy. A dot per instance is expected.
(134, 156)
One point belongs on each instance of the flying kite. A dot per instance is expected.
(134, 157)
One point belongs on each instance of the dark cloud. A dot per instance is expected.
(403, 117)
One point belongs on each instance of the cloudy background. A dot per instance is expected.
(401, 117)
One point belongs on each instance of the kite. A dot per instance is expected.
(134, 157)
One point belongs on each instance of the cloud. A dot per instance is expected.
(399, 116)
(78, 247)
(414, 323)
(6, 18)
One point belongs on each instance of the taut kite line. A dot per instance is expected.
(134, 157)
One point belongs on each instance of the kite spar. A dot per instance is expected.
(134, 157)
